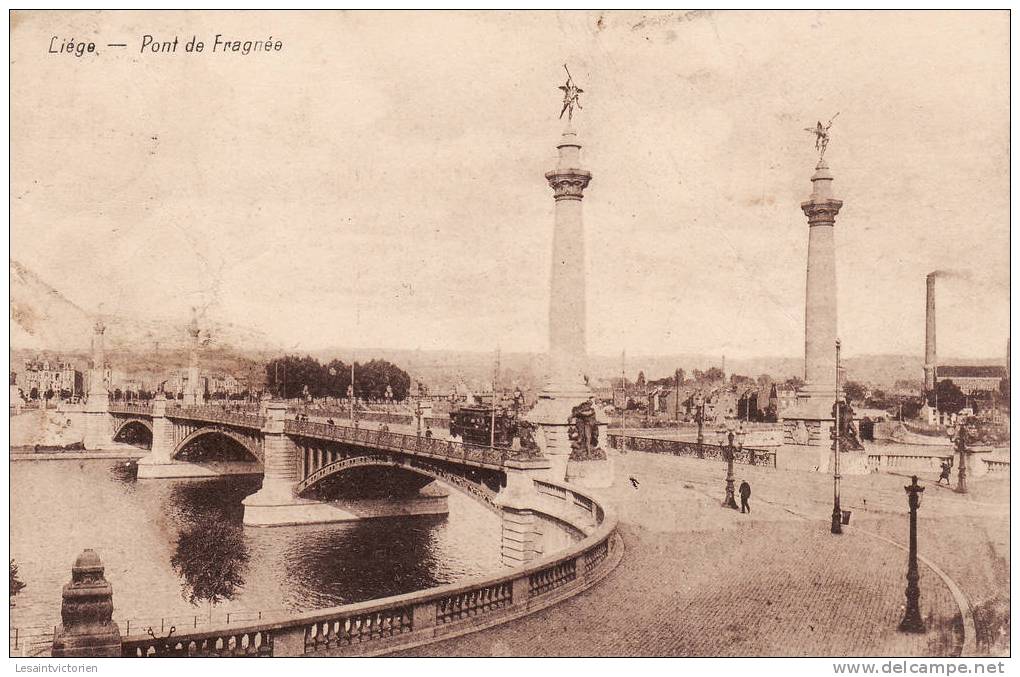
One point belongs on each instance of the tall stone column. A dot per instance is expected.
(97, 404)
(819, 391)
(568, 349)
(930, 354)
(566, 387)
(193, 394)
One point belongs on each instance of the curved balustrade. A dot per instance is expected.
(403, 621)
(745, 455)
(398, 442)
(221, 644)
(217, 415)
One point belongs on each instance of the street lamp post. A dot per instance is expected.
(837, 514)
(728, 449)
(960, 438)
(912, 621)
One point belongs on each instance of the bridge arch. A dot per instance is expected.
(250, 445)
(475, 490)
(122, 426)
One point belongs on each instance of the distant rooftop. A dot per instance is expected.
(969, 371)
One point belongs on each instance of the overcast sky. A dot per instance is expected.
(379, 182)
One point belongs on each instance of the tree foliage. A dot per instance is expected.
(17, 585)
(855, 391)
(211, 558)
(293, 377)
(948, 397)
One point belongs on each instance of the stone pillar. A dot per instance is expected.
(87, 629)
(521, 532)
(566, 386)
(281, 466)
(820, 303)
(161, 453)
(97, 405)
(193, 392)
(930, 355)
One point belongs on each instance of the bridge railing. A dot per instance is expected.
(745, 455)
(403, 621)
(137, 408)
(409, 444)
(217, 415)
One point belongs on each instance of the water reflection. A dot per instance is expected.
(171, 546)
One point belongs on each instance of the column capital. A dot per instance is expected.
(568, 184)
(821, 212)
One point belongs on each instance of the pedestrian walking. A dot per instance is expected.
(944, 475)
(745, 494)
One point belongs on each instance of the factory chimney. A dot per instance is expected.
(930, 358)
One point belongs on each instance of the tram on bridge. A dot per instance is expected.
(473, 424)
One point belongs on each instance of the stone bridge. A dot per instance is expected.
(302, 462)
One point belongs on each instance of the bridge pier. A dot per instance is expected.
(160, 463)
(162, 447)
(285, 462)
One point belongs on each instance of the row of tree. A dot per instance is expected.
(297, 377)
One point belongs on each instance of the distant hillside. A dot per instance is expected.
(43, 319)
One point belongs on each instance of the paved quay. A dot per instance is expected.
(700, 580)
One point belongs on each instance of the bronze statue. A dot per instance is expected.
(526, 439)
(583, 432)
(847, 432)
(821, 133)
(571, 93)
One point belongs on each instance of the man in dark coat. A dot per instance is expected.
(745, 494)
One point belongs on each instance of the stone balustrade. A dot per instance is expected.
(997, 465)
(218, 415)
(382, 626)
(135, 408)
(745, 455)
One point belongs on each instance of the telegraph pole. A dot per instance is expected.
(623, 373)
(492, 427)
(676, 395)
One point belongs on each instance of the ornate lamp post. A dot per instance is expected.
(728, 450)
(912, 621)
(417, 413)
(959, 436)
(837, 514)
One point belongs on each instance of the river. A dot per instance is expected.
(158, 537)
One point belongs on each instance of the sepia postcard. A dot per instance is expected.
(502, 334)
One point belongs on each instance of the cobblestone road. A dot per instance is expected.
(699, 580)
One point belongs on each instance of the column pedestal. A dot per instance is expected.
(97, 421)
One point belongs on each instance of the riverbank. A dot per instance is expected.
(126, 454)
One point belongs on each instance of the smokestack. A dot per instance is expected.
(930, 358)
